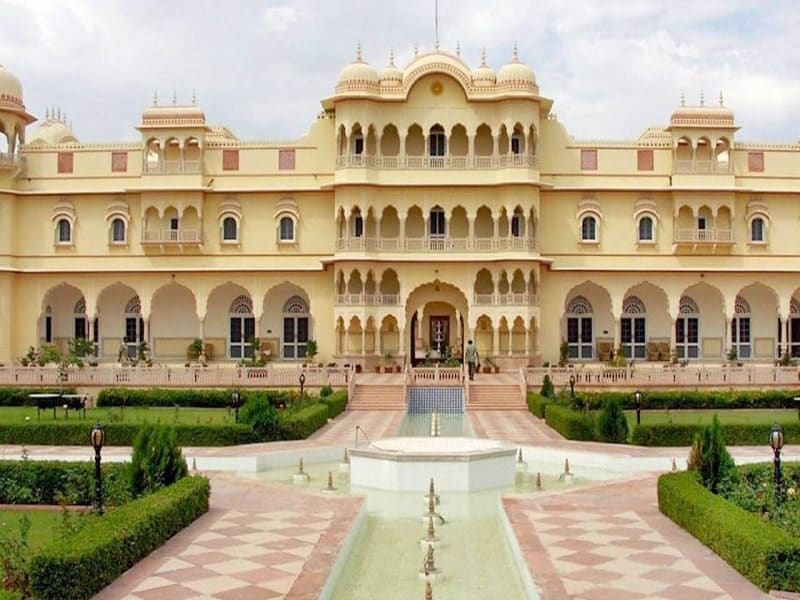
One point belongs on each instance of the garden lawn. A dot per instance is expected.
(153, 415)
(739, 416)
(44, 524)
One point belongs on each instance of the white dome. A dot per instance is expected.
(53, 131)
(10, 90)
(517, 76)
(390, 75)
(357, 76)
(484, 75)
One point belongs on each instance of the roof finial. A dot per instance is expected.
(46, 114)
(174, 97)
(458, 49)
(194, 97)
(483, 57)
(358, 52)
(702, 98)
(436, 22)
(515, 57)
(65, 117)
(721, 99)
(416, 49)
(155, 97)
(683, 98)
(59, 113)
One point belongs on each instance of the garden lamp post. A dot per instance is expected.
(572, 386)
(302, 384)
(98, 437)
(637, 395)
(236, 403)
(776, 441)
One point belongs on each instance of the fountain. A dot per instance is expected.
(459, 464)
(566, 474)
(436, 426)
(429, 572)
(432, 514)
(330, 487)
(432, 492)
(430, 538)
(538, 481)
(521, 464)
(428, 591)
(344, 466)
(301, 477)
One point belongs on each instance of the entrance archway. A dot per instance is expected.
(436, 313)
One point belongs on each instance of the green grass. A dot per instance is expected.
(44, 525)
(166, 416)
(743, 416)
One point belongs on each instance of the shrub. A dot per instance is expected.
(20, 396)
(189, 397)
(717, 465)
(74, 433)
(548, 391)
(695, 399)
(156, 460)
(335, 401)
(262, 416)
(326, 390)
(763, 553)
(50, 482)
(537, 404)
(569, 423)
(739, 434)
(612, 426)
(300, 424)
(78, 566)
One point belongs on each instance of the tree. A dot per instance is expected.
(711, 459)
(548, 391)
(156, 461)
(612, 426)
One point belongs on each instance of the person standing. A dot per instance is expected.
(471, 356)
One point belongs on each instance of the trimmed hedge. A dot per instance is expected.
(299, 424)
(196, 398)
(537, 404)
(763, 553)
(336, 403)
(571, 424)
(19, 396)
(694, 399)
(673, 434)
(80, 565)
(45, 482)
(121, 434)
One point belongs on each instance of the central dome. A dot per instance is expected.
(357, 76)
(10, 90)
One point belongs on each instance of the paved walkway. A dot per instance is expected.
(518, 427)
(258, 541)
(611, 542)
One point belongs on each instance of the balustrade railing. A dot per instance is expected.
(702, 166)
(368, 299)
(362, 161)
(436, 376)
(518, 299)
(212, 376)
(668, 376)
(168, 167)
(704, 236)
(435, 244)
(173, 236)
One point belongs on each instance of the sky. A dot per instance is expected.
(612, 67)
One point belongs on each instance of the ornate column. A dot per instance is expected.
(617, 333)
(496, 339)
(402, 245)
(402, 155)
(470, 151)
(471, 230)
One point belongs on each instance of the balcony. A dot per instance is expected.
(703, 236)
(172, 237)
(367, 299)
(511, 299)
(701, 167)
(361, 161)
(173, 167)
(443, 244)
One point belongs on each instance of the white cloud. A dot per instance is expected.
(612, 68)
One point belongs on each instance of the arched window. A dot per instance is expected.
(358, 143)
(437, 141)
(118, 231)
(64, 231)
(230, 230)
(436, 225)
(516, 143)
(757, 230)
(633, 327)
(646, 229)
(134, 326)
(687, 329)
(740, 328)
(580, 330)
(517, 224)
(589, 229)
(242, 327)
(286, 229)
(358, 223)
(295, 328)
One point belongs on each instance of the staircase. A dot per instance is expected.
(377, 397)
(494, 396)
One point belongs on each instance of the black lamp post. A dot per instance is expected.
(236, 403)
(572, 386)
(776, 441)
(302, 384)
(98, 437)
(637, 395)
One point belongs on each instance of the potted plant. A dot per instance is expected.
(563, 354)
(487, 365)
(195, 349)
(311, 350)
(389, 363)
(733, 357)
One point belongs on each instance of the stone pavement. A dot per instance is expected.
(258, 541)
(611, 542)
(515, 426)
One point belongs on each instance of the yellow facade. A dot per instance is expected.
(424, 207)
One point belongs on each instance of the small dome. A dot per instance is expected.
(54, 130)
(357, 76)
(484, 75)
(390, 75)
(517, 76)
(10, 90)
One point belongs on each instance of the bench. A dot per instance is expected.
(53, 401)
(74, 402)
(45, 402)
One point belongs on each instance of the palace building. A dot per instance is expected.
(426, 205)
